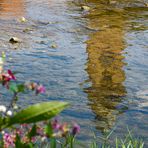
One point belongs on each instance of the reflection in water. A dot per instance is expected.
(105, 64)
(11, 8)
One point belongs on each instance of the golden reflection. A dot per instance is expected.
(105, 63)
(11, 8)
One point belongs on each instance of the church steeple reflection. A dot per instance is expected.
(105, 63)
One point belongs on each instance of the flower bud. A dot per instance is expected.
(76, 129)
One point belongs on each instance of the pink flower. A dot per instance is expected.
(25, 139)
(18, 131)
(56, 125)
(40, 131)
(6, 77)
(8, 140)
(75, 129)
(64, 128)
(40, 89)
(33, 139)
(11, 75)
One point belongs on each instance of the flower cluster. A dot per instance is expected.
(62, 129)
(4, 110)
(38, 88)
(6, 77)
(8, 140)
(27, 135)
(58, 130)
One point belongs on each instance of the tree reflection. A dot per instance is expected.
(11, 8)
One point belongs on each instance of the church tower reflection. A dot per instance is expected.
(105, 63)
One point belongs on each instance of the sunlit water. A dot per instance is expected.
(99, 65)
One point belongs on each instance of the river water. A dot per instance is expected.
(97, 60)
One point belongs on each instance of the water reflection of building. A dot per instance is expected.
(11, 8)
(105, 64)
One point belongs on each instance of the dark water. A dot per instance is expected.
(100, 64)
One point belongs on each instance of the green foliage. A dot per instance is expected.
(128, 142)
(33, 132)
(20, 144)
(10, 116)
(20, 88)
(48, 129)
(13, 87)
(53, 143)
(37, 112)
(16, 88)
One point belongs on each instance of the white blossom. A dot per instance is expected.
(15, 107)
(3, 132)
(43, 139)
(9, 113)
(3, 108)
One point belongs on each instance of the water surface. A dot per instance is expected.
(99, 64)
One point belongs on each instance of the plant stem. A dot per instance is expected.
(13, 102)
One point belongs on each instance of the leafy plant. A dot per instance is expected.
(31, 114)
(128, 142)
(11, 117)
(35, 113)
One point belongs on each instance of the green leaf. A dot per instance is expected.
(33, 132)
(21, 88)
(18, 142)
(37, 112)
(48, 129)
(16, 88)
(29, 145)
(52, 142)
(13, 87)
(1, 121)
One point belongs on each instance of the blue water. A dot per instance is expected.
(79, 70)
